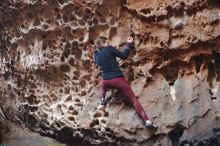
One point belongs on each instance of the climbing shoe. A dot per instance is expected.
(103, 102)
(150, 124)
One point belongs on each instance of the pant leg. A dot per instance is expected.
(126, 90)
(103, 88)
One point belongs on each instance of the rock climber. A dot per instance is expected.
(112, 77)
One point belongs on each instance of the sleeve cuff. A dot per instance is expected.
(129, 46)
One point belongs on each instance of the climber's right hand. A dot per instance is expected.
(130, 39)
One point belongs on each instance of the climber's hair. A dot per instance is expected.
(100, 41)
(97, 46)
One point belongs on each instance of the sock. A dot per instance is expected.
(149, 122)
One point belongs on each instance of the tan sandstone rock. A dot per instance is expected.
(48, 83)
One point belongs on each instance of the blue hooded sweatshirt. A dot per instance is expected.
(106, 60)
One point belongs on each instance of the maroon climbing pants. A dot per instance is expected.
(120, 84)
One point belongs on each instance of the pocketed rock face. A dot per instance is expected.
(48, 83)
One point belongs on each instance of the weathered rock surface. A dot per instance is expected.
(48, 83)
(20, 136)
